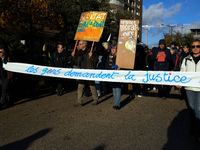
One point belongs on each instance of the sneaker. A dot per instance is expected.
(94, 103)
(116, 107)
(98, 94)
(132, 96)
(139, 95)
(61, 92)
(58, 93)
(78, 105)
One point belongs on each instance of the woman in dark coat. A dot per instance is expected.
(116, 87)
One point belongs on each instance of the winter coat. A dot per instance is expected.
(180, 60)
(4, 74)
(102, 55)
(59, 59)
(162, 66)
(84, 62)
(108, 66)
(188, 65)
(140, 57)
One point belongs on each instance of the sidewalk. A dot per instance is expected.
(49, 122)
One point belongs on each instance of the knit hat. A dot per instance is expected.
(104, 43)
(174, 43)
(114, 45)
(162, 41)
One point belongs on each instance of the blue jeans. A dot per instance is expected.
(98, 86)
(116, 94)
(194, 110)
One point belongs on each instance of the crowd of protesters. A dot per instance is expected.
(103, 56)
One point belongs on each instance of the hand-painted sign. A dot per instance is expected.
(191, 79)
(127, 40)
(91, 26)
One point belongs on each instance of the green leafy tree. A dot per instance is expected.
(29, 19)
(71, 11)
(178, 37)
(13, 47)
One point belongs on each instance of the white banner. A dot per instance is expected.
(125, 76)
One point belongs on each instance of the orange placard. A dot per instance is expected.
(127, 40)
(91, 26)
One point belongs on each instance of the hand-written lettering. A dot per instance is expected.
(129, 77)
(150, 77)
(81, 30)
(32, 69)
(167, 77)
(50, 71)
(92, 24)
(100, 75)
(95, 16)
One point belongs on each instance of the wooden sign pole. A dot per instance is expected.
(75, 46)
(92, 46)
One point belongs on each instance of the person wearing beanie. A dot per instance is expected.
(105, 45)
(162, 42)
(102, 50)
(175, 51)
(162, 57)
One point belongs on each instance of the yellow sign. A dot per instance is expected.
(91, 26)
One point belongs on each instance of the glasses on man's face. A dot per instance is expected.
(1, 52)
(197, 46)
(80, 44)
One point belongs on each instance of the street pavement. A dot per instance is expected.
(46, 121)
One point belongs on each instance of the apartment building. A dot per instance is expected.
(133, 7)
(196, 33)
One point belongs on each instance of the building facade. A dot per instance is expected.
(132, 7)
(196, 33)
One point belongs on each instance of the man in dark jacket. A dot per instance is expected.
(59, 59)
(86, 60)
(162, 58)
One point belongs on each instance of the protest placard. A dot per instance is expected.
(91, 26)
(127, 40)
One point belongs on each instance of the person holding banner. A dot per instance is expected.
(5, 77)
(162, 58)
(86, 60)
(191, 63)
(59, 59)
(102, 52)
(116, 87)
